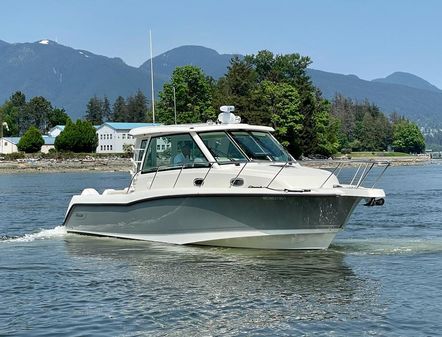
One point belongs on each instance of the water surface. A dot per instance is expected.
(381, 276)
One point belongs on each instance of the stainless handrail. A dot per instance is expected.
(207, 173)
(277, 174)
(330, 175)
(232, 181)
(363, 170)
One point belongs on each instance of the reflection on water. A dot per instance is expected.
(226, 290)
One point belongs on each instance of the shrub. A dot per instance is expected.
(78, 137)
(31, 141)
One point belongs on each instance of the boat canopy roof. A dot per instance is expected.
(185, 128)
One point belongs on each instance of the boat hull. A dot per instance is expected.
(259, 221)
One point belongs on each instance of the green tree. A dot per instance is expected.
(237, 88)
(407, 137)
(193, 92)
(119, 110)
(78, 137)
(94, 111)
(312, 114)
(106, 109)
(137, 108)
(363, 125)
(57, 117)
(31, 141)
(36, 113)
(280, 103)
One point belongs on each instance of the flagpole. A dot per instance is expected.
(151, 77)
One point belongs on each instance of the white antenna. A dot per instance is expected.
(151, 77)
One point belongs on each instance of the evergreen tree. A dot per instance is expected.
(94, 111)
(286, 73)
(237, 88)
(78, 137)
(36, 113)
(106, 109)
(31, 141)
(119, 110)
(57, 117)
(137, 108)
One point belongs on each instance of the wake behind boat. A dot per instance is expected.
(222, 184)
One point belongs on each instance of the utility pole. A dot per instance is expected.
(151, 77)
(174, 102)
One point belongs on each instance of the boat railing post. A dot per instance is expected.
(331, 173)
(356, 174)
(364, 174)
(234, 179)
(179, 174)
(207, 173)
(277, 174)
(132, 181)
(381, 174)
(155, 175)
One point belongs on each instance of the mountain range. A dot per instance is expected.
(70, 77)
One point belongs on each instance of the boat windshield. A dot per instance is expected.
(261, 146)
(222, 147)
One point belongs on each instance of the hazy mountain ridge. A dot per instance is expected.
(70, 77)
(422, 106)
(66, 76)
(209, 60)
(408, 80)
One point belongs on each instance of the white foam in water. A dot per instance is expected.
(383, 246)
(56, 232)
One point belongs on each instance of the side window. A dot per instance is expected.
(169, 152)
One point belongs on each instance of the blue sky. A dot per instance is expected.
(368, 38)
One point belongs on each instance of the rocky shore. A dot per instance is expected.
(68, 165)
(124, 164)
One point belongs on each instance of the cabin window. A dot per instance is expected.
(222, 148)
(171, 152)
(261, 146)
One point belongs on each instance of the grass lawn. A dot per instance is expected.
(378, 154)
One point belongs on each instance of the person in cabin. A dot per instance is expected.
(183, 157)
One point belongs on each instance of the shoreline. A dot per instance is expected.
(64, 166)
(124, 164)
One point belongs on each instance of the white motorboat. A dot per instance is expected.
(222, 184)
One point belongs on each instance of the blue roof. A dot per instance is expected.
(13, 140)
(127, 126)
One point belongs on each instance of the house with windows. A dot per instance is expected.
(113, 137)
(8, 145)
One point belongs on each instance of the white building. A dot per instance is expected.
(112, 136)
(49, 144)
(9, 145)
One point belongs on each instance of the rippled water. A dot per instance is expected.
(381, 277)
